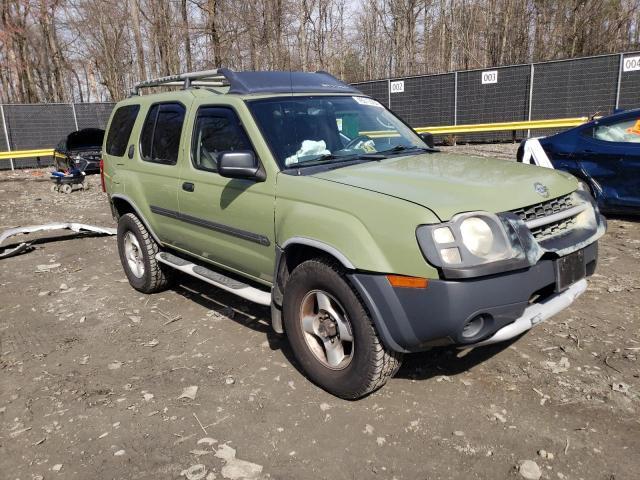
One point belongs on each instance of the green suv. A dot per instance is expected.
(296, 191)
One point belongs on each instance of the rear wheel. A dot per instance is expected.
(331, 334)
(66, 188)
(138, 250)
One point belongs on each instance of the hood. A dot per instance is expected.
(448, 184)
(85, 139)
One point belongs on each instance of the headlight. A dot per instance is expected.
(477, 236)
(472, 244)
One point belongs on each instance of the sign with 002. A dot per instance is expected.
(631, 64)
(397, 86)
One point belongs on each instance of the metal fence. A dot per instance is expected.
(43, 125)
(538, 91)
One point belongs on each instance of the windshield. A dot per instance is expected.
(310, 130)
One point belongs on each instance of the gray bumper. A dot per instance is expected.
(537, 313)
(411, 320)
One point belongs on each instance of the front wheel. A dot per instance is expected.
(331, 333)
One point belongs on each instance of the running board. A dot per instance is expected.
(216, 279)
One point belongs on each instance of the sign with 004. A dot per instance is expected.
(489, 76)
(631, 64)
(397, 86)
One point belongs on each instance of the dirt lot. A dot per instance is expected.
(91, 375)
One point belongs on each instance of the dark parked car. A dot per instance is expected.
(603, 153)
(80, 150)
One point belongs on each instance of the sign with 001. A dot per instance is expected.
(631, 64)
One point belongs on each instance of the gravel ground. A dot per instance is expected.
(98, 381)
(503, 151)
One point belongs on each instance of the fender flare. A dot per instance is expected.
(120, 196)
(310, 242)
(277, 294)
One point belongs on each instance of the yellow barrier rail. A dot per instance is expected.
(43, 152)
(505, 126)
(489, 127)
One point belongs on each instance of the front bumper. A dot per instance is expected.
(537, 313)
(411, 320)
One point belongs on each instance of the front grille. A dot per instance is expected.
(544, 209)
(552, 229)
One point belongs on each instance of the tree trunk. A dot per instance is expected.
(134, 9)
(186, 38)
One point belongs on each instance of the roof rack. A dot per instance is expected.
(254, 82)
(205, 78)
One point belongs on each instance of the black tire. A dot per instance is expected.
(371, 364)
(156, 277)
(520, 151)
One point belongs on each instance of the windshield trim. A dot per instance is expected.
(282, 168)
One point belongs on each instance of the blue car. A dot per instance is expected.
(604, 154)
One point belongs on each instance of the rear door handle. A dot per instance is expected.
(188, 187)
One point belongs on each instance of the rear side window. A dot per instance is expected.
(160, 138)
(120, 130)
(217, 130)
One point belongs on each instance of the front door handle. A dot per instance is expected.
(188, 187)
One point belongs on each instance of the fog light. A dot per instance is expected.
(473, 327)
(451, 255)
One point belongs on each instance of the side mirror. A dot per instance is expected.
(427, 138)
(239, 165)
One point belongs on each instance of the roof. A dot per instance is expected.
(252, 82)
(285, 82)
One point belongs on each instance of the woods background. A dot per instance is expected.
(77, 50)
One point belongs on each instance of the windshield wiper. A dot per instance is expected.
(372, 156)
(322, 160)
(402, 148)
(331, 159)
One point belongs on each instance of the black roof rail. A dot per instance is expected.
(253, 82)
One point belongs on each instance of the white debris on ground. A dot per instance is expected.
(189, 392)
(530, 470)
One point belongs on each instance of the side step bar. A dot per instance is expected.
(216, 279)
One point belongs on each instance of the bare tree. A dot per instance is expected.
(134, 9)
(60, 50)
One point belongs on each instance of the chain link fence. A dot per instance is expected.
(548, 90)
(44, 125)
